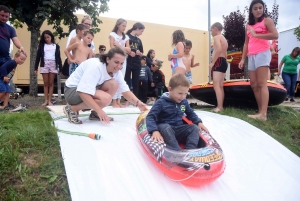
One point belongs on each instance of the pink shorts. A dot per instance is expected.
(50, 67)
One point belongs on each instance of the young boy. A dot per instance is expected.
(81, 51)
(145, 77)
(6, 73)
(188, 60)
(219, 63)
(164, 121)
(80, 30)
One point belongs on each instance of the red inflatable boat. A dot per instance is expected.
(194, 167)
(238, 93)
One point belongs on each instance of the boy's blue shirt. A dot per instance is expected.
(145, 74)
(7, 67)
(165, 110)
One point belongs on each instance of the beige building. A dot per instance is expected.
(155, 36)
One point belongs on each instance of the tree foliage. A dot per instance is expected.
(234, 29)
(33, 13)
(297, 32)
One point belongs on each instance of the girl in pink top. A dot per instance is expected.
(259, 31)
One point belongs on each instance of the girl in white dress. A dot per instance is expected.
(118, 38)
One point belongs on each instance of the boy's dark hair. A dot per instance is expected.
(88, 32)
(42, 38)
(188, 43)
(111, 53)
(115, 29)
(136, 26)
(143, 57)
(217, 25)
(4, 8)
(80, 27)
(178, 36)
(101, 47)
(179, 80)
(251, 20)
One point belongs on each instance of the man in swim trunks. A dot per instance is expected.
(219, 63)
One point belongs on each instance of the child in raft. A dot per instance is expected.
(164, 121)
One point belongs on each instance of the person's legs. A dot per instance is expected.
(114, 101)
(188, 134)
(287, 82)
(253, 83)
(102, 97)
(51, 86)
(218, 80)
(261, 77)
(144, 91)
(46, 87)
(168, 135)
(179, 70)
(293, 86)
(135, 80)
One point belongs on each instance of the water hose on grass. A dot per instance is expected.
(90, 135)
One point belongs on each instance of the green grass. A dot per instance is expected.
(31, 166)
(283, 124)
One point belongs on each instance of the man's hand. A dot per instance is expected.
(23, 51)
(6, 79)
(156, 137)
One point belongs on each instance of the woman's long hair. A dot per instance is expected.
(251, 19)
(115, 29)
(111, 53)
(42, 38)
(136, 26)
(150, 52)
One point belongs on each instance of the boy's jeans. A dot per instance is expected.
(173, 135)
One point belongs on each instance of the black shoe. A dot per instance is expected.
(292, 100)
(286, 99)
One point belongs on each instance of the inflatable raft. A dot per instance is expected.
(238, 93)
(194, 167)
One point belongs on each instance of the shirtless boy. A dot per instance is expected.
(188, 60)
(219, 63)
(80, 29)
(81, 51)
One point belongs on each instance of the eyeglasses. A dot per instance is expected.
(87, 24)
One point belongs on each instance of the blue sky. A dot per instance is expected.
(194, 13)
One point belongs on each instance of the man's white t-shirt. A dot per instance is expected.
(92, 73)
(73, 34)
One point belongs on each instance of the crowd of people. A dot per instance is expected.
(98, 80)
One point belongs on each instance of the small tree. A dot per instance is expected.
(56, 12)
(234, 29)
(297, 32)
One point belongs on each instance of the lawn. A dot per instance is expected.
(32, 168)
(31, 165)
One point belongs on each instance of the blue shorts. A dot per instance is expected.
(188, 75)
(4, 87)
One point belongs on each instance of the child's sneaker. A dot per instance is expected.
(94, 116)
(72, 115)
(292, 100)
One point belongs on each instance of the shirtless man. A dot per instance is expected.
(219, 63)
(80, 50)
(188, 60)
(80, 30)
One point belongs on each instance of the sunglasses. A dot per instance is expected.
(154, 66)
(87, 24)
(102, 49)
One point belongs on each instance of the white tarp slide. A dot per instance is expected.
(117, 168)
